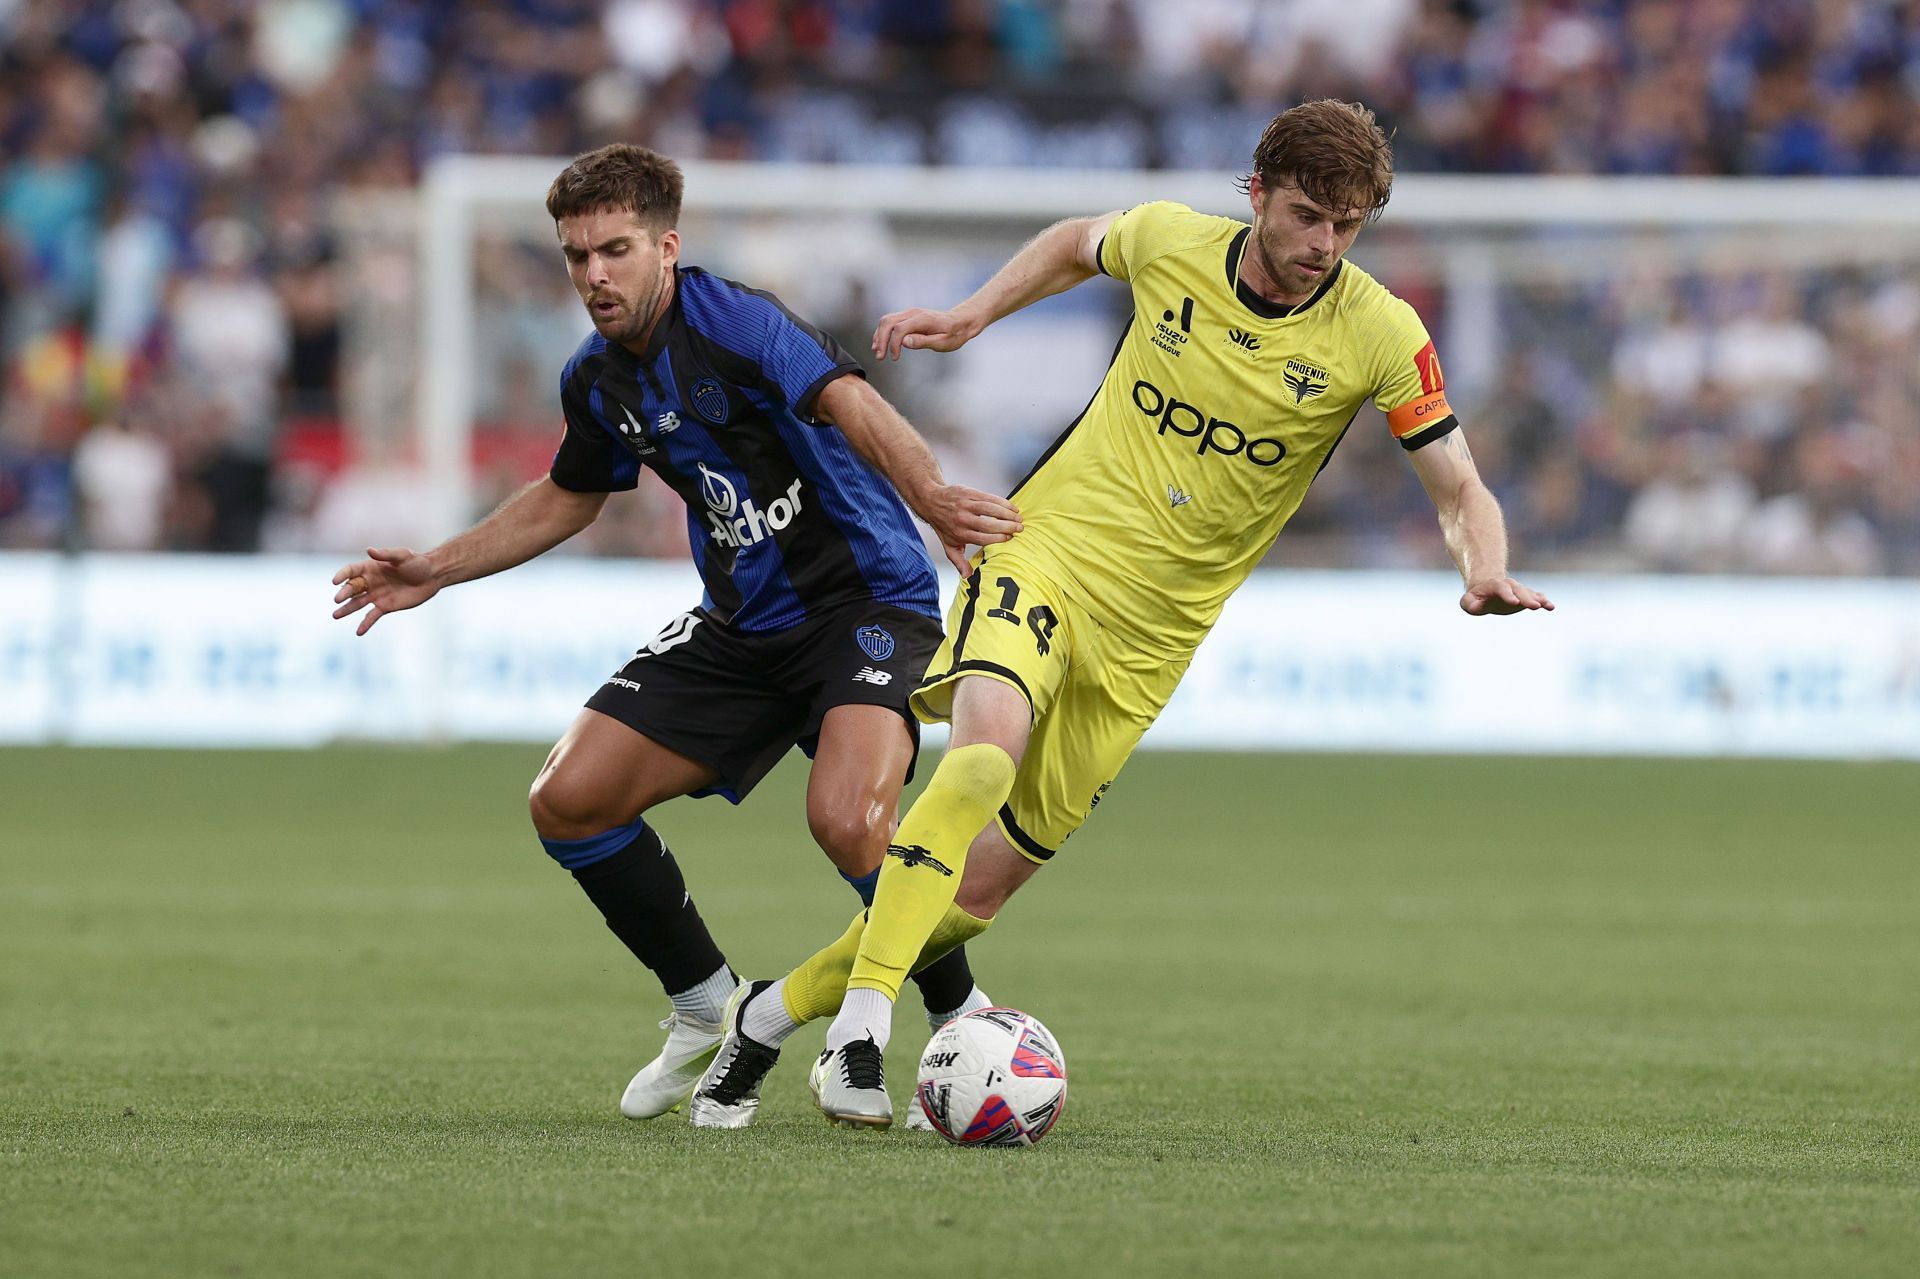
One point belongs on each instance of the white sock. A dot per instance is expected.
(976, 1000)
(764, 1020)
(863, 1014)
(707, 1000)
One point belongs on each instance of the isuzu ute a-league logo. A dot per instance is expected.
(1166, 336)
(874, 641)
(736, 522)
(634, 433)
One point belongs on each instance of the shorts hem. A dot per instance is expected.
(941, 713)
(733, 789)
(1024, 844)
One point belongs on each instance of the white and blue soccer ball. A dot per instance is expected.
(995, 1077)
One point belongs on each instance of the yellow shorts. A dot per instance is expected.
(1092, 694)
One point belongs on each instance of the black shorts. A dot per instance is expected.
(738, 700)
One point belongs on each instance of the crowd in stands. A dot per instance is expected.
(176, 327)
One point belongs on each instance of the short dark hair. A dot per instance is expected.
(1333, 151)
(621, 176)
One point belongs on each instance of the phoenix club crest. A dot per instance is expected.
(1304, 380)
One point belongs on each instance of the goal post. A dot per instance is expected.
(1470, 237)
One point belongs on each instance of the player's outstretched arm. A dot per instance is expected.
(1475, 531)
(1065, 254)
(961, 516)
(537, 518)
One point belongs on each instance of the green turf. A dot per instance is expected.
(293, 1014)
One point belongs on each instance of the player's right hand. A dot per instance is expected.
(388, 580)
(964, 517)
(918, 329)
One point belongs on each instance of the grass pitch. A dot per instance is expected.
(315, 1014)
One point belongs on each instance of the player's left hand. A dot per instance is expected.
(966, 517)
(1501, 595)
(918, 329)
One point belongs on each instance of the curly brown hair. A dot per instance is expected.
(1333, 151)
(621, 176)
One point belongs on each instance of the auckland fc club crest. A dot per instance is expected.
(710, 400)
(875, 642)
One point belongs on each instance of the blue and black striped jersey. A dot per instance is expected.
(785, 519)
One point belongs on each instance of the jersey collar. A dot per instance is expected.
(1253, 301)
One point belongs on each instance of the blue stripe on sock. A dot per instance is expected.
(575, 853)
(863, 885)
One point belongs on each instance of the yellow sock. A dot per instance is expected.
(928, 855)
(815, 988)
(955, 929)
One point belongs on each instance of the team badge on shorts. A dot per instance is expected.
(710, 400)
(875, 642)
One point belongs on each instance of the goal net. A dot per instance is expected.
(1643, 365)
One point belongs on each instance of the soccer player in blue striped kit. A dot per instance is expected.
(820, 609)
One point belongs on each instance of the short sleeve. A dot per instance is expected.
(769, 346)
(588, 460)
(1142, 234)
(800, 360)
(1411, 390)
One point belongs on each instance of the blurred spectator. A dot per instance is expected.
(1690, 517)
(123, 479)
(172, 178)
(231, 343)
(1817, 530)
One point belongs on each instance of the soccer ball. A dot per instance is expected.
(995, 1077)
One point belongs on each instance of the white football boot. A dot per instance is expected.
(663, 1083)
(728, 1095)
(916, 1120)
(850, 1086)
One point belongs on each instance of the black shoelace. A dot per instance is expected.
(862, 1065)
(751, 1062)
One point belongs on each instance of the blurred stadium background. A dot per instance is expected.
(276, 287)
(212, 274)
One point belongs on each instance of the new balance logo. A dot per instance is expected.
(914, 855)
(1177, 497)
(868, 675)
(1243, 339)
(668, 422)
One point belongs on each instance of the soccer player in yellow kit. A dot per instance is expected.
(1250, 351)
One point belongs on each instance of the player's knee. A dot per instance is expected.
(987, 711)
(981, 898)
(853, 836)
(564, 809)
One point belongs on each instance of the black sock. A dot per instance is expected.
(946, 982)
(644, 899)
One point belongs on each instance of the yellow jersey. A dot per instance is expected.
(1217, 412)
